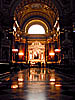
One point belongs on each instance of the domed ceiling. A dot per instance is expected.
(42, 10)
(32, 10)
(25, 11)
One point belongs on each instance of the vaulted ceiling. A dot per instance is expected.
(49, 9)
(31, 10)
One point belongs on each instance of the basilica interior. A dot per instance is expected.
(37, 49)
(33, 31)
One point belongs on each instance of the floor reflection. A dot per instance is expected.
(40, 83)
(37, 84)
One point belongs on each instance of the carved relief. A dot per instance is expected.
(36, 52)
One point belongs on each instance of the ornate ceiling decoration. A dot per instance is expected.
(43, 9)
(27, 10)
(11, 2)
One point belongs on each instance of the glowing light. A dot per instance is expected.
(36, 29)
(51, 53)
(52, 83)
(57, 50)
(13, 33)
(14, 50)
(32, 62)
(7, 79)
(14, 86)
(30, 56)
(16, 23)
(18, 35)
(58, 85)
(21, 53)
(52, 79)
(20, 84)
(58, 28)
(14, 28)
(20, 79)
(42, 57)
(54, 34)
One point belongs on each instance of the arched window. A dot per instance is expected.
(36, 29)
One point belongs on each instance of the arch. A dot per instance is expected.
(16, 3)
(37, 14)
(28, 9)
(36, 22)
(36, 17)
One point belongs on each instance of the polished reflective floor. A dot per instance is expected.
(37, 84)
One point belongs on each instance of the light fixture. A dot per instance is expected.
(52, 80)
(58, 50)
(14, 50)
(51, 53)
(21, 53)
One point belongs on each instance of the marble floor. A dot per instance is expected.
(37, 84)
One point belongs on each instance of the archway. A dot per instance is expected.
(41, 14)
